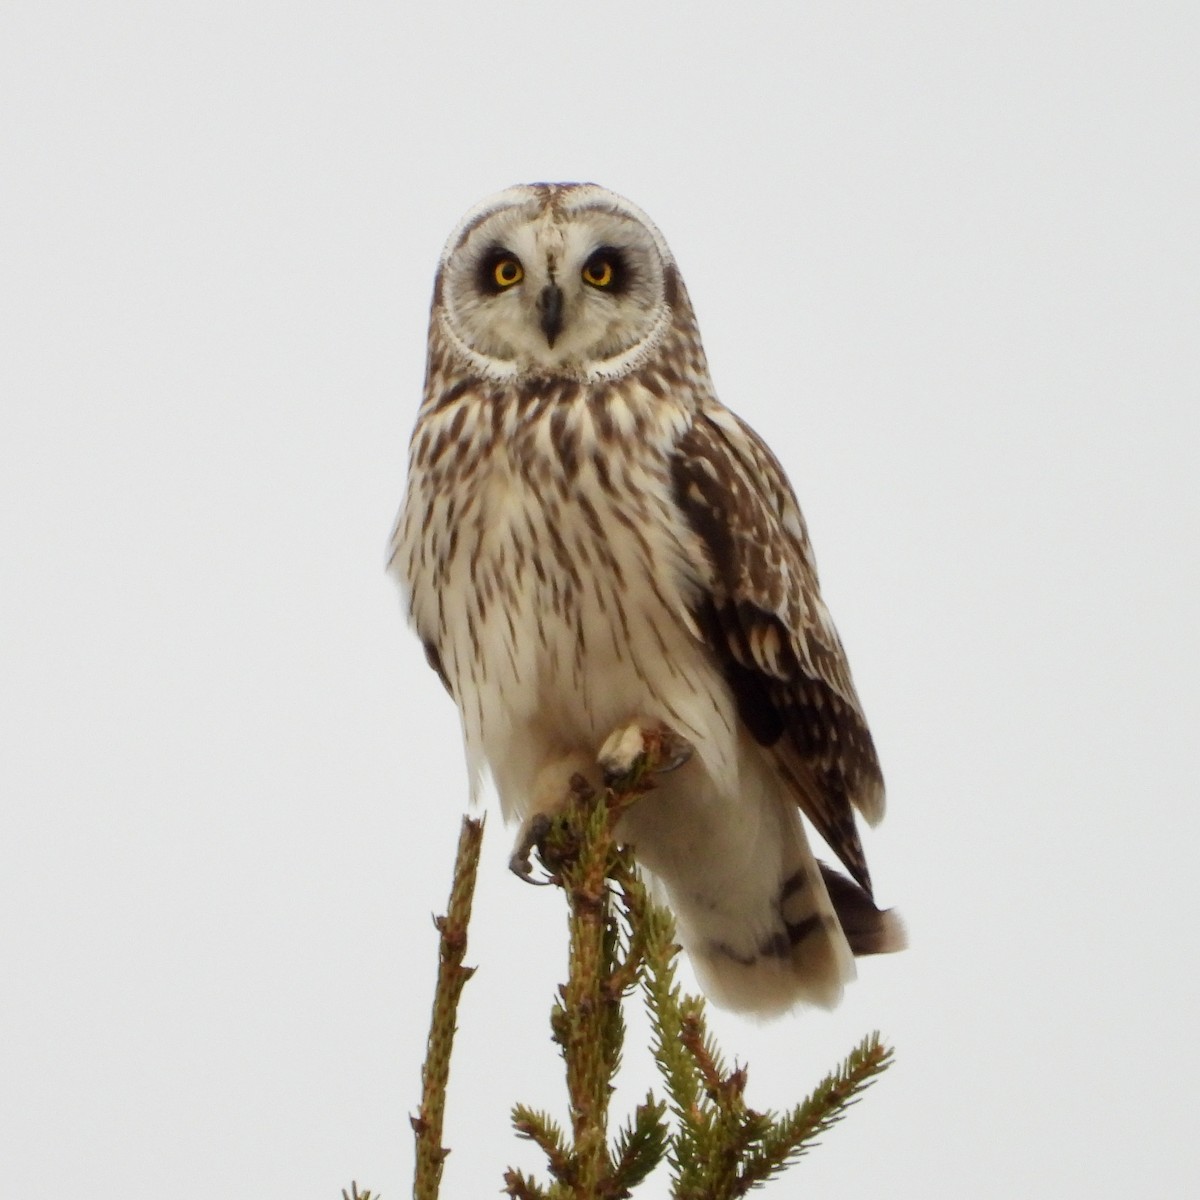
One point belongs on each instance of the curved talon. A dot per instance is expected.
(676, 750)
(520, 863)
(524, 872)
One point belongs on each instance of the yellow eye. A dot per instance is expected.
(598, 272)
(507, 272)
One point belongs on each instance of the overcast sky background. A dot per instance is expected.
(945, 258)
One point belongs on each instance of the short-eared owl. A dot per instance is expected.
(593, 546)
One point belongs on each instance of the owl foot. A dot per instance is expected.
(631, 747)
(536, 829)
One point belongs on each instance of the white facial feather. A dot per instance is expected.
(599, 328)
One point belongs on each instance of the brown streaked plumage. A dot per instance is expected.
(592, 546)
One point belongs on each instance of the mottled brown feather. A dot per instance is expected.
(763, 617)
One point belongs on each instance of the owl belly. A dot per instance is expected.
(566, 623)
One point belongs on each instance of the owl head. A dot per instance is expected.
(557, 279)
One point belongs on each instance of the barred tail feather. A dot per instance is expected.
(791, 951)
(766, 926)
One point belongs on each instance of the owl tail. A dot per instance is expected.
(787, 943)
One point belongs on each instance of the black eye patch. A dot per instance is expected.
(498, 270)
(607, 270)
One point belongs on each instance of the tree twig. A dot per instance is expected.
(452, 977)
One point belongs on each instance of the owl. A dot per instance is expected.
(595, 552)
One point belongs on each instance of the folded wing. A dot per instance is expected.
(760, 610)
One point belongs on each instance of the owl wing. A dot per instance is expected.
(763, 617)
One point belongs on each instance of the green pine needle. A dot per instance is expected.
(641, 1146)
(540, 1128)
(794, 1134)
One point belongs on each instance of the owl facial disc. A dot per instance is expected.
(550, 279)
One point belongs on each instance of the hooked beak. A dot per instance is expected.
(550, 311)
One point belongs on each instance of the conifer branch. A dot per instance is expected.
(451, 979)
(580, 851)
(518, 1185)
(539, 1128)
(795, 1133)
(721, 1148)
(717, 1146)
(640, 1146)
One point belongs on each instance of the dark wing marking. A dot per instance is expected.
(763, 616)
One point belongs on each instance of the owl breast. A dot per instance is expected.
(554, 586)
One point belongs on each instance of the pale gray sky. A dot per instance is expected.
(945, 258)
